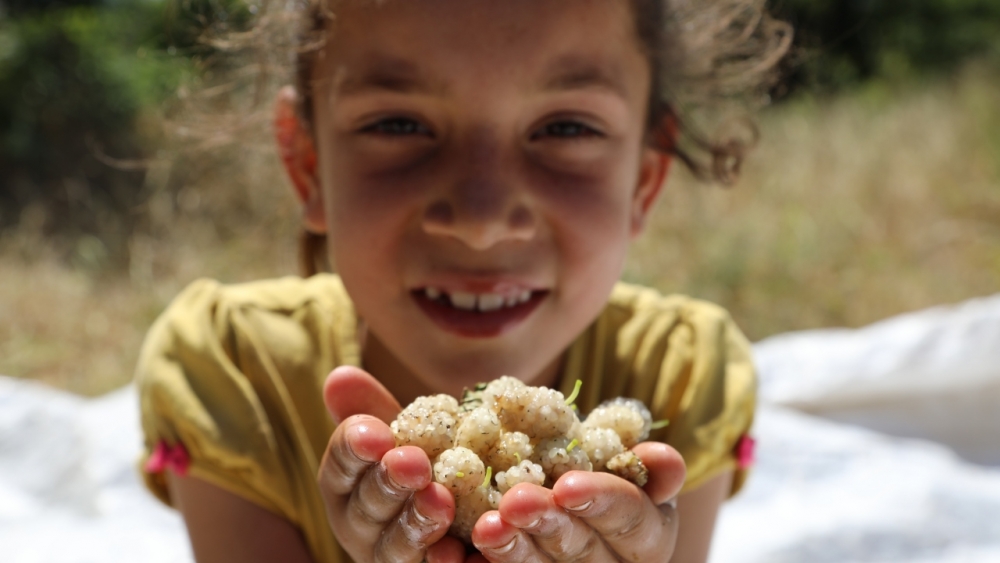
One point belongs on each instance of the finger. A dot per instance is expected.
(446, 550)
(424, 520)
(556, 533)
(386, 487)
(354, 447)
(350, 390)
(500, 542)
(666, 471)
(628, 522)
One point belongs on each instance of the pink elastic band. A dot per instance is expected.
(745, 451)
(165, 456)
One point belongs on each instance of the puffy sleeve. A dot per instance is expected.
(212, 388)
(707, 388)
(688, 362)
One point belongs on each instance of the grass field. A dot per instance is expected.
(853, 209)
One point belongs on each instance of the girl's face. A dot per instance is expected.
(482, 168)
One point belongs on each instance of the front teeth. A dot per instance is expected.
(462, 300)
(484, 302)
(490, 302)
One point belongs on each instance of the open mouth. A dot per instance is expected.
(477, 315)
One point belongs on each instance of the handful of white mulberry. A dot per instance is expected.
(505, 432)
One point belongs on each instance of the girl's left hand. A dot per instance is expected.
(588, 516)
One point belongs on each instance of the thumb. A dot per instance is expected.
(351, 390)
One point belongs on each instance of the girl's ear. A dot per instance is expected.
(298, 154)
(655, 167)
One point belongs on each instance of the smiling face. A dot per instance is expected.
(482, 168)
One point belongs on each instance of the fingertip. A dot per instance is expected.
(408, 466)
(368, 438)
(437, 502)
(335, 389)
(524, 503)
(667, 470)
(350, 390)
(491, 531)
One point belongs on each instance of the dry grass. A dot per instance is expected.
(876, 203)
(854, 209)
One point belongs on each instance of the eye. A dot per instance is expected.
(566, 129)
(397, 126)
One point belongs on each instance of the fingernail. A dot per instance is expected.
(581, 507)
(534, 524)
(422, 518)
(672, 503)
(507, 547)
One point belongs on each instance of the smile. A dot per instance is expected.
(484, 302)
(477, 315)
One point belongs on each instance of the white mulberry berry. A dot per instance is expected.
(459, 469)
(478, 430)
(428, 423)
(510, 450)
(559, 455)
(601, 444)
(628, 417)
(470, 507)
(538, 412)
(628, 466)
(525, 472)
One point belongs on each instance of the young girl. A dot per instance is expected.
(477, 168)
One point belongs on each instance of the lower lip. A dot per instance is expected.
(477, 324)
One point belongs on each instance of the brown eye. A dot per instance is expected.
(566, 130)
(397, 126)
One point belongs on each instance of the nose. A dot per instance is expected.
(485, 206)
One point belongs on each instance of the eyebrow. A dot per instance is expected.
(387, 73)
(573, 72)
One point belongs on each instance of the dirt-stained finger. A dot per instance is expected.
(385, 488)
(423, 520)
(500, 542)
(556, 533)
(357, 444)
(629, 523)
(666, 470)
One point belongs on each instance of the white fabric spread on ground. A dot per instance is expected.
(857, 432)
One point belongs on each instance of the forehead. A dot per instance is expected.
(435, 44)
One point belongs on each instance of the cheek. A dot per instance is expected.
(589, 207)
(369, 205)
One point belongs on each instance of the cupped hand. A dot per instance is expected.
(380, 500)
(591, 517)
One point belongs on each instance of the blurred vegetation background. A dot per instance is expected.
(875, 190)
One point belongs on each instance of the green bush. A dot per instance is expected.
(844, 42)
(75, 83)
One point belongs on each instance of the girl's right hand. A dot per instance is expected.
(380, 500)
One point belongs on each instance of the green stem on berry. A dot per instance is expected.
(489, 475)
(572, 445)
(459, 474)
(517, 456)
(659, 424)
(576, 391)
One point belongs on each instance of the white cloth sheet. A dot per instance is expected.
(875, 445)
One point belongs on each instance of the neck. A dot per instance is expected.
(404, 385)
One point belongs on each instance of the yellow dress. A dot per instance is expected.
(234, 374)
